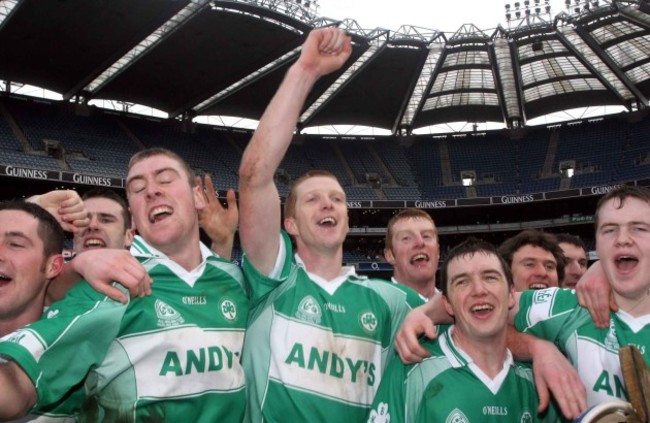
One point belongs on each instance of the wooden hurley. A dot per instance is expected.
(636, 376)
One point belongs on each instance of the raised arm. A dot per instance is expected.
(324, 51)
(66, 206)
(18, 394)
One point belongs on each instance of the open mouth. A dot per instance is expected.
(4, 279)
(626, 263)
(419, 258)
(327, 221)
(537, 286)
(94, 243)
(159, 213)
(482, 309)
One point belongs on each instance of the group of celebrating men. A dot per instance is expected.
(293, 335)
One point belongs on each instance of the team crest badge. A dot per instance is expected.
(380, 415)
(309, 310)
(368, 321)
(526, 417)
(228, 309)
(457, 416)
(167, 315)
(542, 296)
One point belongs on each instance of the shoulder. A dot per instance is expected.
(390, 292)
(549, 297)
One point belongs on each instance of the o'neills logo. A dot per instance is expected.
(604, 190)
(25, 173)
(91, 180)
(517, 199)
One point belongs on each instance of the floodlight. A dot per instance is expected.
(526, 3)
(538, 10)
(548, 8)
(576, 10)
(507, 6)
(517, 5)
(468, 177)
(518, 14)
(508, 16)
(567, 168)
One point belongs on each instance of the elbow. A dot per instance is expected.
(251, 174)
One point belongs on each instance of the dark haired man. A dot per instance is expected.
(30, 257)
(536, 260)
(575, 253)
(470, 375)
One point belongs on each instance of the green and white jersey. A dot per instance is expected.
(315, 350)
(448, 387)
(65, 411)
(171, 356)
(555, 315)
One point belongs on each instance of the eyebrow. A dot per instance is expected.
(156, 173)
(458, 276)
(102, 214)
(17, 234)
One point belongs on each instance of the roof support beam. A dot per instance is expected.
(587, 50)
(422, 86)
(180, 19)
(506, 83)
(376, 46)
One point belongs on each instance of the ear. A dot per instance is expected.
(53, 266)
(128, 237)
(199, 198)
(290, 226)
(447, 305)
(511, 297)
(388, 255)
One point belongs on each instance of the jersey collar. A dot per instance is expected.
(459, 358)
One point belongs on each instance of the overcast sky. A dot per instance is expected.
(441, 15)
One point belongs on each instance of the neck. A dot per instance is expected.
(488, 354)
(635, 307)
(327, 264)
(425, 288)
(185, 253)
(30, 315)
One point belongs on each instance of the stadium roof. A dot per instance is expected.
(199, 57)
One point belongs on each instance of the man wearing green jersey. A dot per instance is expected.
(470, 375)
(171, 356)
(623, 246)
(319, 336)
(31, 241)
